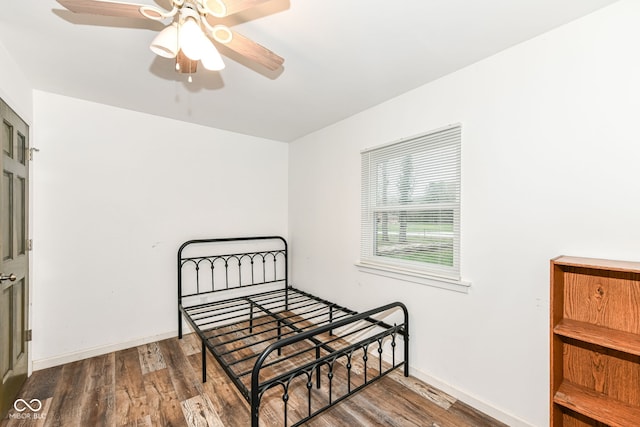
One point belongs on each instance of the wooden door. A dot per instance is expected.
(14, 263)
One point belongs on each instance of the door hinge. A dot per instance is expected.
(30, 244)
(31, 150)
(28, 335)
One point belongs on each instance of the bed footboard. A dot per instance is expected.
(364, 359)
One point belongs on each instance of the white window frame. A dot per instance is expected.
(440, 148)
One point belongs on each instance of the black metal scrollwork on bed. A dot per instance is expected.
(284, 349)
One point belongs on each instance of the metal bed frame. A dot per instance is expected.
(276, 344)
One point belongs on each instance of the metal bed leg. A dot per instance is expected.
(251, 317)
(254, 416)
(331, 319)
(406, 355)
(204, 363)
(279, 336)
(406, 341)
(317, 368)
(179, 324)
(254, 400)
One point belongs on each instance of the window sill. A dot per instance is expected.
(415, 277)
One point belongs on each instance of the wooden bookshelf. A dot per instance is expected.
(595, 343)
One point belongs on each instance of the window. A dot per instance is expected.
(411, 205)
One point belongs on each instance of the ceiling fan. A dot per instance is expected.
(194, 25)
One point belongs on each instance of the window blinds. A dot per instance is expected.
(411, 203)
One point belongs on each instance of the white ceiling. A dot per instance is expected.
(341, 56)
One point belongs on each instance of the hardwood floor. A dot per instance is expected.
(159, 384)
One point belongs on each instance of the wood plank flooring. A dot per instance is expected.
(159, 384)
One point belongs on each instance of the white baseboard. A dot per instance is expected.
(476, 403)
(97, 351)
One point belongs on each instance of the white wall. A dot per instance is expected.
(550, 166)
(116, 193)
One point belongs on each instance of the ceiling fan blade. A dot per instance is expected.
(106, 8)
(165, 4)
(250, 49)
(232, 6)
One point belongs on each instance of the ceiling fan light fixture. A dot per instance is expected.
(211, 59)
(192, 39)
(165, 44)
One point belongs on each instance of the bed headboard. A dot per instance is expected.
(206, 266)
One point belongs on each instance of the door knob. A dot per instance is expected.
(4, 277)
